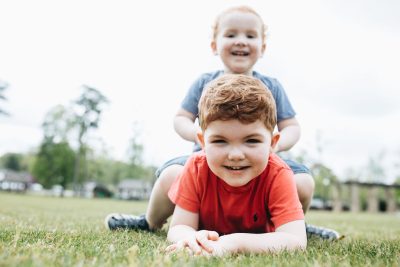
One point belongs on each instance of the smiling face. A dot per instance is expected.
(237, 152)
(239, 41)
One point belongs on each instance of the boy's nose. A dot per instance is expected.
(240, 42)
(236, 154)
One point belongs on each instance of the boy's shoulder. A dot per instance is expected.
(276, 164)
(197, 160)
(270, 82)
(209, 76)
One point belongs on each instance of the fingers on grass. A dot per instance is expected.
(170, 248)
(194, 247)
(191, 247)
(212, 235)
(203, 238)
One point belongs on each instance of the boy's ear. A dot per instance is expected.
(264, 46)
(214, 47)
(200, 137)
(274, 140)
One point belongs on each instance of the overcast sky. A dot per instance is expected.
(338, 61)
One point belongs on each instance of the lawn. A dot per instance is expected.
(49, 231)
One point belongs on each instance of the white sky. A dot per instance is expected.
(338, 61)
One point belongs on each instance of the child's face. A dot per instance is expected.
(237, 152)
(239, 42)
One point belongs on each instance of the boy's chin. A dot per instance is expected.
(235, 182)
(240, 70)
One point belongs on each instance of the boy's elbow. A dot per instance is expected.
(296, 243)
(300, 243)
(303, 244)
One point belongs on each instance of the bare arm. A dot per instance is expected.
(183, 234)
(289, 130)
(184, 125)
(289, 236)
(184, 223)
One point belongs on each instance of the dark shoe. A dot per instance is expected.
(115, 221)
(322, 232)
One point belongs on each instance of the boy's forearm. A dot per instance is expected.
(179, 232)
(288, 137)
(262, 243)
(185, 128)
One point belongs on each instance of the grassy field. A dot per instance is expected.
(48, 231)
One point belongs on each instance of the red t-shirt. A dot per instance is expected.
(260, 206)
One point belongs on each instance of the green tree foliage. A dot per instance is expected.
(55, 159)
(103, 169)
(54, 164)
(397, 180)
(324, 179)
(137, 169)
(107, 171)
(3, 87)
(13, 161)
(88, 108)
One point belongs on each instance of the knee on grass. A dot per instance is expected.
(305, 188)
(168, 176)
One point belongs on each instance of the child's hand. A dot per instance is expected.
(190, 244)
(201, 243)
(213, 244)
(206, 239)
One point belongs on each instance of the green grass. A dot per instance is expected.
(48, 231)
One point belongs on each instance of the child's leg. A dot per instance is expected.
(305, 189)
(304, 183)
(160, 207)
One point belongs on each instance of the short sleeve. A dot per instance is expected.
(283, 105)
(191, 101)
(184, 192)
(284, 205)
(284, 108)
(192, 98)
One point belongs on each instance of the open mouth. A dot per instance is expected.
(236, 168)
(240, 53)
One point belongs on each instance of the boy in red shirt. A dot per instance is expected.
(236, 195)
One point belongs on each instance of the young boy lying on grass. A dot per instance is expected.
(236, 195)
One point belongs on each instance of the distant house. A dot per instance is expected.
(15, 181)
(96, 190)
(134, 189)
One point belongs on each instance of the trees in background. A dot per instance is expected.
(65, 155)
(54, 163)
(87, 109)
(14, 161)
(137, 168)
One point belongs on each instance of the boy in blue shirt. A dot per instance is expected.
(239, 39)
